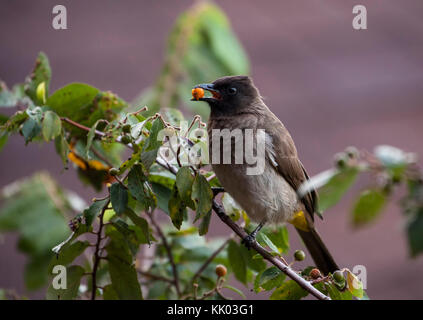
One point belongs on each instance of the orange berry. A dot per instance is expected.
(221, 270)
(197, 93)
(315, 273)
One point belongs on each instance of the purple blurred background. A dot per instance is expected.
(331, 85)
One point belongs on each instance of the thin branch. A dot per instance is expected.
(97, 257)
(168, 252)
(154, 276)
(306, 285)
(210, 259)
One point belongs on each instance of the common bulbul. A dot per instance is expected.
(271, 196)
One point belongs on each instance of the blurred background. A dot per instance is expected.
(331, 85)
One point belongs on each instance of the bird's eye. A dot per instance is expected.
(232, 91)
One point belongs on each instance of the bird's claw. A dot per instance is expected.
(248, 241)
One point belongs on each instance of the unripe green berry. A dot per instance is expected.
(299, 255)
(338, 276)
(126, 139)
(113, 171)
(126, 128)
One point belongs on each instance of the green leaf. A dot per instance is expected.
(177, 210)
(121, 269)
(74, 101)
(139, 222)
(30, 129)
(3, 140)
(336, 294)
(269, 279)
(73, 280)
(263, 239)
(227, 286)
(94, 210)
(204, 225)
(279, 237)
(109, 293)
(33, 209)
(40, 74)
(68, 254)
(202, 194)
(354, 285)
(90, 138)
(118, 197)
(367, 207)
(415, 233)
(62, 148)
(152, 142)
(237, 261)
(136, 185)
(52, 126)
(334, 189)
(289, 290)
(184, 182)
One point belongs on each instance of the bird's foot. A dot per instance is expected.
(249, 240)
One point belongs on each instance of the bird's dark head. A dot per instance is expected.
(230, 95)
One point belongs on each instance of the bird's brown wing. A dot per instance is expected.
(283, 156)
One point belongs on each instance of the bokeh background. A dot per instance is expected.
(331, 85)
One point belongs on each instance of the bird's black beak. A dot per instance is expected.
(209, 87)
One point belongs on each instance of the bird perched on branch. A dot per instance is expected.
(267, 194)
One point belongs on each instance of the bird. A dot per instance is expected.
(269, 197)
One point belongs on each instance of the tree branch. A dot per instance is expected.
(168, 252)
(97, 257)
(306, 285)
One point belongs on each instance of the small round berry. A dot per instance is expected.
(126, 128)
(315, 273)
(197, 93)
(338, 276)
(221, 270)
(113, 171)
(126, 139)
(299, 255)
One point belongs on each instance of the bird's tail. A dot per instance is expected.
(318, 251)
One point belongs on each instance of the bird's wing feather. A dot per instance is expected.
(283, 157)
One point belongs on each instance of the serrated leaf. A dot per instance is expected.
(289, 290)
(271, 278)
(118, 197)
(367, 207)
(136, 181)
(52, 126)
